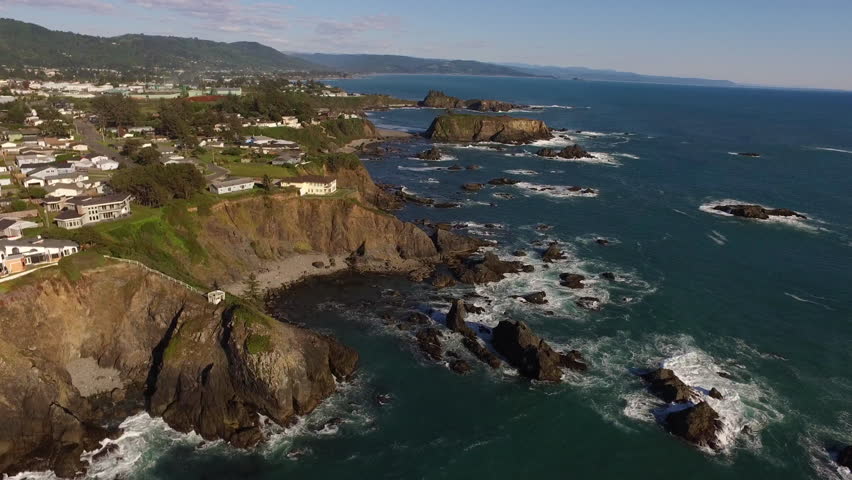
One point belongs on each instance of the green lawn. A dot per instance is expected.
(258, 170)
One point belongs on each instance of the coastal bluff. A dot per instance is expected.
(486, 128)
(83, 352)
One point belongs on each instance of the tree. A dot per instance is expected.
(252, 291)
(115, 110)
(17, 113)
(131, 146)
(155, 185)
(147, 156)
(267, 183)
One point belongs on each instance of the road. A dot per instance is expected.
(92, 138)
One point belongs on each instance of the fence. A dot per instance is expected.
(161, 274)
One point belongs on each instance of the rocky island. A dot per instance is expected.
(483, 128)
(757, 211)
(438, 99)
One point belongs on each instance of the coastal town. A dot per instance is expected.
(76, 154)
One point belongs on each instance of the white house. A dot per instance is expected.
(80, 147)
(311, 184)
(291, 122)
(62, 190)
(34, 159)
(5, 181)
(12, 228)
(87, 210)
(34, 182)
(232, 185)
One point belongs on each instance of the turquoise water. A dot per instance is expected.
(769, 303)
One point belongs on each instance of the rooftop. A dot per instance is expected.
(232, 182)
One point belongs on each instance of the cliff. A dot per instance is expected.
(482, 128)
(81, 351)
(241, 236)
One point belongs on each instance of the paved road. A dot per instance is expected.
(216, 173)
(92, 138)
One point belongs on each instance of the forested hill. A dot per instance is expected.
(366, 63)
(28, 44)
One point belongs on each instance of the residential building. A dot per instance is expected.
(311, 184)
(33, 159)
(17, 255)
(49, 170)
(232, 185)
(12, 228)
(84, 211)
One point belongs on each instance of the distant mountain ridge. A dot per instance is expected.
(400, 64)
(28, 44)
(601, 75)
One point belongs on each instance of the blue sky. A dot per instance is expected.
(803, 43)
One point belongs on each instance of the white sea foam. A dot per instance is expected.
(627, 155)
(829, 149)
(556, 191)
(559, 139)
(445, 157)
(792, 221)
(717, 237)
(430, 180)
(742, 404)
(565, 107)
(485, 146)
(420, 169)
(521, 172)
(805, 300)
(519, 154)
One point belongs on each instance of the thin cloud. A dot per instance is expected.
(70, 4)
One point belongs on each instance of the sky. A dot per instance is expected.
(790, 43)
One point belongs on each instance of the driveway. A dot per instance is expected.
(92, 138)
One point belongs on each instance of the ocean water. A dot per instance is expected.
(768, 303)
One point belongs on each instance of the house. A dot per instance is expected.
(63, 190)
(9, 147)
(232, 185)
(311, 184)
(16, 255)
(291, 122)
(12, 228)
(34, 182)
(100, 162)
(80, 147)
(33, 159)
(52, 203)
(66, 178)
(216, 297)
(49, 170)
(88, 210)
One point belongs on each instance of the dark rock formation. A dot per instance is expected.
(460, 366)
(748, 154)
(844, 458)
(589, 303)
(573, 360)
(451, 243)
(472, 187)
(608, 276)
(571, 280)
(443, 280)
(486, 270)
(698, 424)
(433, 153)
(455, 319)
(482, 128)
(569, 152)
(538, 298)
(455, 167)
(527, 352)
(481, 352)
(519, 253)
(716, 394)
(602, 241)
(429, 341)
(663, 383)
(502, 181)
(553, 253)
(757, 211)
(438, 99)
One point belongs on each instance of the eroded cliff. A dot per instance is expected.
(82, 352)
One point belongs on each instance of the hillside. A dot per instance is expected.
(29, 44)
(364, 63)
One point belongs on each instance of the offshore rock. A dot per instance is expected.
(698, 424)
(482, 128)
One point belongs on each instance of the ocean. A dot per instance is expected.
(767, 303)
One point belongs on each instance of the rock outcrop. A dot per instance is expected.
(438, 99)
(502, 181)
(532, 356)
(757, 211)
(483, 128)
(148, 344)
(485, 270)
(455, 319)
(698, 424)
(571, 280)
(844, 458)
(663, 383)
(569, 152)
(433, 153)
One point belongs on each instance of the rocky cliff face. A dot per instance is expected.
(77, 357)
(240, 236)
(481, 128)
(437, 99)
